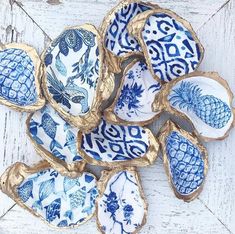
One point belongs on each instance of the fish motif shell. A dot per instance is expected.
(20, 75)
(204, 99)
(114, 145)
(74, 82)
(60, 201)
(119, 44)
(169, 43)
(133, 102)
(121, 206)
(185, 160)
(55, 140)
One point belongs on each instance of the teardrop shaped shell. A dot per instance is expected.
(185, 160)
(76, 81)
(56, 141)
(118, 145)
(169, 43)
(20, 77)
(133, 102)
(121, 206)
(204, 99)
(61, 202)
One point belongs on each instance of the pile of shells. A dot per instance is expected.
(65, 89)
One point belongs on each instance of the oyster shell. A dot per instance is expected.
(75, 83)
(169, 43)
(20, 76)
(60, 201)
(133, 102)
(185, 160)
(114, 145)
(119, 45)
(204, 99)
(55, 140)
(121, 206)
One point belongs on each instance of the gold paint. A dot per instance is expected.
(163, 134)
(31, 52)
(106, 175)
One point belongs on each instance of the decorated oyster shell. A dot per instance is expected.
(60, 201)
(74, 83)
(169, 43)
(121, 206)
(20, 75)
(56, 141)
(114, 145)
(119, 45)
(185, 160)
(133, 103)
(203, 98)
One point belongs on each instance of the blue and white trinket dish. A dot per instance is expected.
(20, 77)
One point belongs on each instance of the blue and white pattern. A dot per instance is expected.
(72, 64)
(117, 39)
(171, 47)
(186, 163)
(61, 201)
(121, 208)
(115, 143)
(137, 94)
(17, 79)
(54, 134)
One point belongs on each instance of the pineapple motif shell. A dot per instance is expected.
(121, 206)
(56, 141)
(20, 74)
(204, 99)
(74, 82)
(185, 161)
(60, 201)
(169, 43)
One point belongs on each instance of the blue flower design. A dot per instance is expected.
(128, 212)
(112, 203)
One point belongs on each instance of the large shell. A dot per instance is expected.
(119, 45)
(60, 201)
(20, 76)
(74, 82)
(114, 145)
(121, 206)
(55, 140)
(133, 102)
(185, 160)
(169, 43)
(205, 99)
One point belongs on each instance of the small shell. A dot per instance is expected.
(203, 98)
(169, 43)
(20, 76)
(74, 83)
(60, 201)
(185, 160)
(114, 145)
(114, 27)
(133, 102)
(56, 141)
(121, 206)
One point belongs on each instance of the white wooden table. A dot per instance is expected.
(37, 21)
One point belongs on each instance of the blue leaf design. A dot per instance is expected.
(60, 66)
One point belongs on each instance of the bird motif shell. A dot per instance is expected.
(118, 43)
(114, 145)
(74, 82)
(185, 160)
(133, 103)
(169, 43)
(205, 99)
(60, 201)
(55, 140)
(121, 206)
(20, 76)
